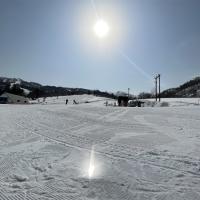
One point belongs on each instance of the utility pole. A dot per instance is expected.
(157, 87)
(128, 92)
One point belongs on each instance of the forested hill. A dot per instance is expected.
(189, 89)
(35, 90)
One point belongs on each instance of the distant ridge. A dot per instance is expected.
(35, 90)
(189, 89)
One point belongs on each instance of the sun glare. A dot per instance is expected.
(91, 170)
(91, 165)
(101, 28)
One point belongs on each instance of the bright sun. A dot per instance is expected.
(101, 28)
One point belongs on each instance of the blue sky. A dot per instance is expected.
(52, 42)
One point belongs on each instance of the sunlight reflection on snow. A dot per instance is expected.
(91, 165)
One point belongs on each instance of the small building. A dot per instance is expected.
(123, 101)
(13, 99)
(136, 103)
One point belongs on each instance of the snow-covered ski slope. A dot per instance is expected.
(78, 98)
(145, 153)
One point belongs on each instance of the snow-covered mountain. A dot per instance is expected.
(189, 89)
(35, 90)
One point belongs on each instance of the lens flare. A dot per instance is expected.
(91, 165)
(91, 171)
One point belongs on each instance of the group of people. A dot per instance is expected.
(74, 101)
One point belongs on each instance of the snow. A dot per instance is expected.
(78, 98)
(171, 102)
(26, 91)
(89, 151)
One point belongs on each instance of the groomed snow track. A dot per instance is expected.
(142, 153)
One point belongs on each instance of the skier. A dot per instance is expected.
(74, 102)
